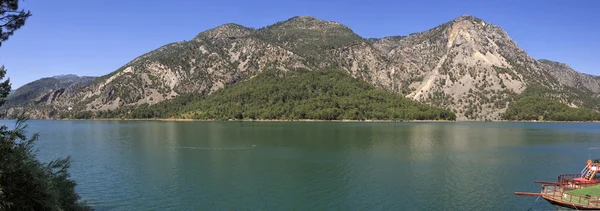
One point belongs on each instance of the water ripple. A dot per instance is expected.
(313, 166)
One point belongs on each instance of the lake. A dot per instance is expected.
(158, 165)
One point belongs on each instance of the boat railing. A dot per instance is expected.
(568, 180)
(557, 193)
(567, 177)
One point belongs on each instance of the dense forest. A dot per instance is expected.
(539, 103)
(293, 95)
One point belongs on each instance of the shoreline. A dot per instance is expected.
(545, 121)
(250, 120)
(317, 120)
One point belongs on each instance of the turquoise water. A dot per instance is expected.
(155, 165)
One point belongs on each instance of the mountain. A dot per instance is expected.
(542, 103)
(43, 92)
(290, 95)
(467, 65)
(569, 77)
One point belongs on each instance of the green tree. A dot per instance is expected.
(300, 94)
(538, 103)
(28, 184)
(25, 182)
(11, 18)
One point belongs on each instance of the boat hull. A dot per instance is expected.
(568, 205)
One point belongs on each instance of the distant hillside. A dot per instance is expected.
(540, 103)
(467, 65)
(569, 77)
(293, 95)
(43, 90)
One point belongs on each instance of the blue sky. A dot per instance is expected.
(95, 37)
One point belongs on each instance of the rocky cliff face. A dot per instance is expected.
(569, 77)
(44, 90)
(467, 65)
(39, 97)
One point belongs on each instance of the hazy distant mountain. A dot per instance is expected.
(44, 90)
(467, 65)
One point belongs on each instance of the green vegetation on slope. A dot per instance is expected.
(320, 95)
(540, 103)
(28, 92)
(309, 37)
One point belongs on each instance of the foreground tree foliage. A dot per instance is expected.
(25, 182)
(292, 95)
(538, 103)
(28, 184)
(11, 18)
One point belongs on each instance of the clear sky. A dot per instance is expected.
(95, 37)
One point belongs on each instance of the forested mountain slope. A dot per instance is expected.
(467, 65)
